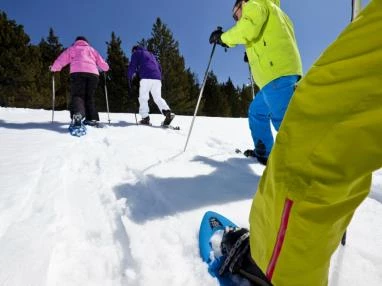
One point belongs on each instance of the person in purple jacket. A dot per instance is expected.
(84, 62)
(144, 65)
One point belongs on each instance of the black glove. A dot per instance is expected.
(245, 57)
(215, 37)
(106, 75)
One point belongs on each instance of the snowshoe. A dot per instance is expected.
(145, 121)
(225, 248)
(252, 153)
(76, 127)
(236, 250)
(170, 127)
(168, 117)
(93, 123)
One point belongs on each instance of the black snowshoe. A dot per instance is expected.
(93, 123)
(145, 121)
(168, 117)
(252, 153)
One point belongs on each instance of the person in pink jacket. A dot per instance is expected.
(84, 63)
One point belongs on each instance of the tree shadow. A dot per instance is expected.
(376, 196)
(152, 197)
(49, 126)
(58, 127)
(120, 124)
(127, 124)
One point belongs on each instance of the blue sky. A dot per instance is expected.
(317, 23)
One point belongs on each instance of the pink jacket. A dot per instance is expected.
(82, 58)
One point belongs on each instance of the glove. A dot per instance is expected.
(106, 75)
(245, 57)
(215, 38)
(53, 69)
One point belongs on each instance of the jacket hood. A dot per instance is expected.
(276, 2)
(81, 43)
(139, 48)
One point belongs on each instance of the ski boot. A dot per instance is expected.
(93, 123)
(145, 121)
(168, 117)
(236, 250)
(252, 153)
(258, 153)
(76, 127)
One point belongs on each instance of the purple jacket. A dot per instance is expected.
(144, 64)
(82, 58)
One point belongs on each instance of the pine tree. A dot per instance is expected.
(193, 93)
(233, 99)
(119, 99)
(50, 48)
(215, 102)
(19, 66)
(246, 98)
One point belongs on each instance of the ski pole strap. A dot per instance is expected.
(235, 253)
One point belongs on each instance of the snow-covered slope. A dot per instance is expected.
(122, 205)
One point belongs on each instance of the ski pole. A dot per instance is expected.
(107, 100)
(343, 239)
(250, 75)
(252, 84)
(136, 120)
(53, 96)
(356, 8)
(133, 95)
(201, 93)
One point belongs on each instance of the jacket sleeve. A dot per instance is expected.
(62, 60)
(249, 27)
(101, 63)
(132, 66)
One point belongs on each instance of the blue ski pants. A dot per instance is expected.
(269, 105)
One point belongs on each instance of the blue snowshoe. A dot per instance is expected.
(76, 127)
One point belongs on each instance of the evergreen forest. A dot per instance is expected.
(26, 82)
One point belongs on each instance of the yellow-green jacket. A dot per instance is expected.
(321, 165)
(267, 33)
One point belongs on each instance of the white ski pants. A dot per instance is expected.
(145, 87)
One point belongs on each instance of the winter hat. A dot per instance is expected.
(82, 38)
(237, 2)
(134, 48)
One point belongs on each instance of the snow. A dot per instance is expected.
(122, 205)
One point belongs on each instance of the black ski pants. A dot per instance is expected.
(82, 88)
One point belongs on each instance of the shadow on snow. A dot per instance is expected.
(58, 127)
(152, 197)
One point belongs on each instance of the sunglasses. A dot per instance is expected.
(234, 11)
